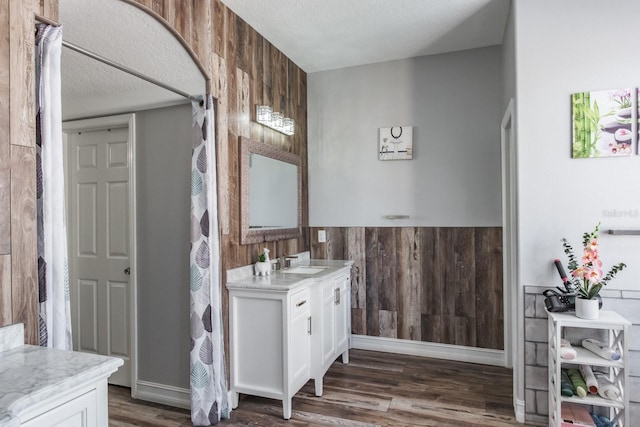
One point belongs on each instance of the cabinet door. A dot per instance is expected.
(300, 345)
(342, 313)
(328, 323)
(79, 412)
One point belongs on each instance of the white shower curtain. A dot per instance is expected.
(208, 378)
(53, 275)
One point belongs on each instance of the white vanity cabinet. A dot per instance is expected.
(45, 387)
(300, 339)
(270, 343)
(332, 309)
(85, 407)
(287, 329)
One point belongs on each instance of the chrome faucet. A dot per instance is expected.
(286, 260)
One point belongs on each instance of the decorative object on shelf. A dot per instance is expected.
(587, 275)
(587, 308)
(263, 266)
(395, 143)
(266, 116)
(602, 123)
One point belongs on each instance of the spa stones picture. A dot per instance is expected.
(602, 123)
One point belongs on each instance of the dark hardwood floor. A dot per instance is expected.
(374, 389)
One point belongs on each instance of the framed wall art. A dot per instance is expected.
(395, 143)
(602, 123)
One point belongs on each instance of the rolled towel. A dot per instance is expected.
(606, 422)
(589, 378)
(566, 351)
(579, 386)
(606, 389)
(597, 420)
(566, 388)
(601, 349)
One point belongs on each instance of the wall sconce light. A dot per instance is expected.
(266, 116)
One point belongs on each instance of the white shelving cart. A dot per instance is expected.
(617, 329)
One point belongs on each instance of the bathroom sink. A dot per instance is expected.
(304, 269)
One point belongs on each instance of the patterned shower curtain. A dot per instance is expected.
(53, 273)
(208, 378)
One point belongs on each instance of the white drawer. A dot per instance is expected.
(300, 303)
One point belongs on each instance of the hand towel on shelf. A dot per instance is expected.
(566, 387)
(567, 352)
(579, 386)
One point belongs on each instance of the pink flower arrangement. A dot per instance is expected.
(588, 275)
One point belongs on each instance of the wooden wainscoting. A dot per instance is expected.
(432, 284)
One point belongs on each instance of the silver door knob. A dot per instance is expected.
(127, 271)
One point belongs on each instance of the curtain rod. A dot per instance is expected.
(115, 64)
(128, 70)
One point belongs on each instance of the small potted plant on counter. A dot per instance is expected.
(263, 266)
(588, 275)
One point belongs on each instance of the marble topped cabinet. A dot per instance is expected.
(287, 328)
(46, 387)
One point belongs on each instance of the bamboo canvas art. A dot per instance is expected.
(602, 123)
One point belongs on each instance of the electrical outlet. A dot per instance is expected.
(322, 236)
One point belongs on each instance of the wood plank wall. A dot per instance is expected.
(18, 275)
(244, 70)
(432, 284)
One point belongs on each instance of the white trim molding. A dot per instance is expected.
(164, 394)
(168, 395)
(458, 353)
(518, 405)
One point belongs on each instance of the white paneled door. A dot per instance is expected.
(98, 193)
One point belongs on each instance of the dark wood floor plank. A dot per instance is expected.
(373, 390)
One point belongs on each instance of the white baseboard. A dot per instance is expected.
(438, 351)
(164, 394)
(519, 410)
(167, 395)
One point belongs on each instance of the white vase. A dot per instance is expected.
(262, 268)
(587, 308)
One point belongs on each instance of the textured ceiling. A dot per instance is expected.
(128, 36)
(322, 35)
(316, 34)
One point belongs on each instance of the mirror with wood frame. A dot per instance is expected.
(270, 193)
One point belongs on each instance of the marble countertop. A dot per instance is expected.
(30, 374)
(243, 278)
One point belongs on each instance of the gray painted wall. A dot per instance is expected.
(454, 102)
(563, 197)
(163, 202)
(560, 196)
